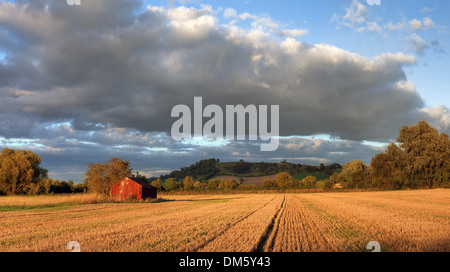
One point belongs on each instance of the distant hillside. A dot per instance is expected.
(213, 168)
(202, 170)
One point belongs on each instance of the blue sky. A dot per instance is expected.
(82, 84)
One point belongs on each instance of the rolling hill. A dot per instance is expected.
(250, 172)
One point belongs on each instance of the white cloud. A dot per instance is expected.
(357, 17)
(265, 24)
(191, 23)
(407, 86)
(246, 15)
(411, 25)
(230, 13)
(415, 24)
(428, 23)
(370, 27)
(356, 13)
(397, 26)
(438, 117)
(293, 32)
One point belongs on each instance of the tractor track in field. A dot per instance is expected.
(266, 241)
(231, 225)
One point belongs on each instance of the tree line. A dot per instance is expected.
(419, 159)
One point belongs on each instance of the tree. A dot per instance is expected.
(321, 167)
(269, 184)
(427, 154)
(354, 174)
(188, 183)
(100, 177)
(171, 184)
(41, 187)
(387, 170)
(19, 170)
(197, 185)
(421, 159)
(79, 188)
(157, 184)
(228, 184)
(328, 184)
(61, 187)
(212, 184)
(284, 180)
(241, 167)
(308, 182)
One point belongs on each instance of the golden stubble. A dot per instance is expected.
(398, 220)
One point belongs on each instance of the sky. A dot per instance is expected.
(82, 84)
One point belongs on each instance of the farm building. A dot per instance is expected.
(132, 188)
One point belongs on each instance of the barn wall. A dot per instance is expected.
(125, 189)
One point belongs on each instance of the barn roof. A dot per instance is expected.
(140, 182)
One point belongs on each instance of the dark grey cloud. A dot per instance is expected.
(102, 78)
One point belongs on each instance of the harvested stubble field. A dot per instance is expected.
(398, 220)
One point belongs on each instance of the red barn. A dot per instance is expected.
(132, 188)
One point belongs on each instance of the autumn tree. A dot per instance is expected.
(157, 184)
(100, 176)
(328, 184)
(427, 154)
(421, 159)
(213, 184)
(308, 182)
(228, 184)
(197, 185)
(354, 174)
(387, 170)
(284, 180)
(43, 186)
(188, 183)
(171, 184)
(19, 170)
(269, 184)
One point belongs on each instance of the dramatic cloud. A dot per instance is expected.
(105, 76)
